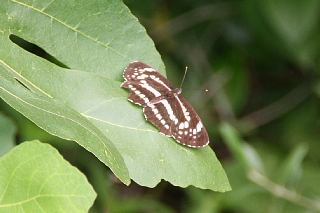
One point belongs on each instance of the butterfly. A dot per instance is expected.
(163, 106)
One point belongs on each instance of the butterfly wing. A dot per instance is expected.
(176, 118)
(145, 83)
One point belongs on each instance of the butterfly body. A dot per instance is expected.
(163, 106)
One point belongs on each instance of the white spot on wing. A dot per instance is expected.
(199, 127)
(148, 69)
(155, 110)
(143, 76)
(176, 121)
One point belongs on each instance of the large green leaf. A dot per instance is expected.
(96, 40)
(35, 178)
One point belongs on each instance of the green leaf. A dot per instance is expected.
(7, 134)
(290, 171)
(60, 118)
(243, 152)
(35, 178)
(96, 40)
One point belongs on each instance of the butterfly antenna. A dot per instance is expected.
(184, 76)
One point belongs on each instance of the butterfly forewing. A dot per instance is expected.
(172, 114)
(145, 83)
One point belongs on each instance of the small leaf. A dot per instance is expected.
(244, 152)
(35, 178)
(290, 171)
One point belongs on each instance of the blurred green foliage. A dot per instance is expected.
(260, 60)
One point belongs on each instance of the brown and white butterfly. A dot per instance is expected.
(163, 106)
